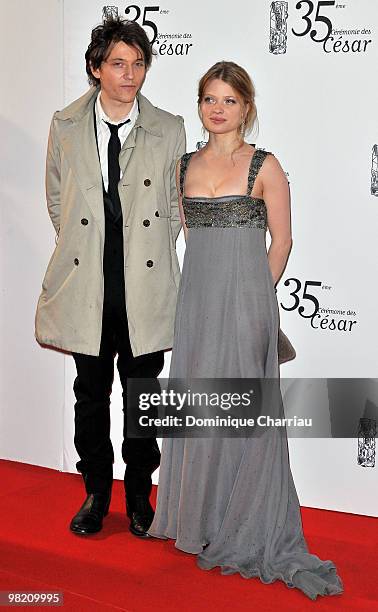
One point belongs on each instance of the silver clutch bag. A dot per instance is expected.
(286, 351)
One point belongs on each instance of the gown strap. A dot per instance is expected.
(256, 162)
(184, 162)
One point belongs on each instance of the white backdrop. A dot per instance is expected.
(317, 113)
(32, 379)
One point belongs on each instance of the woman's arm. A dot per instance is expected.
(277, 199)
(181, 209)
(180, 148)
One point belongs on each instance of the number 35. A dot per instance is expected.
(145, 21)
(305, 296)
(318, 17)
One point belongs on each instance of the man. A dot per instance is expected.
(111, 284)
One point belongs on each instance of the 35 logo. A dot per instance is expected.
(145, 22)
(304, 296)
(307, 18)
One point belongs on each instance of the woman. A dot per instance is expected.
(232, 501)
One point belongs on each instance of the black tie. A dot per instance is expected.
(114, 148)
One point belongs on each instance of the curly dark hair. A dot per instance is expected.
(106, 35)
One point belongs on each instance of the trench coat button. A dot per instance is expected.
(84, 222)
(156, 213)
(146, 222)
(147, 182)
(76, 261)
(150, 263)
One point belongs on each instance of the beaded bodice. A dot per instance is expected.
(225, 211)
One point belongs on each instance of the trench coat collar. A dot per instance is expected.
(147, 119)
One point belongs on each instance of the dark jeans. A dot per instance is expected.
(92, 389)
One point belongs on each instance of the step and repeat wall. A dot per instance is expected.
(314, 68)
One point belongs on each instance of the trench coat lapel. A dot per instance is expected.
(146, 130)
(79, 144)
(127, 150)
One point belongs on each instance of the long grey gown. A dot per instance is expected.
(232, 501)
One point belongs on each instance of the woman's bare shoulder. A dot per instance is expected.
(271, 168)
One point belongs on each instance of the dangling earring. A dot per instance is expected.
(242, 128)
(202, 143)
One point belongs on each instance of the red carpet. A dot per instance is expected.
(114, 570)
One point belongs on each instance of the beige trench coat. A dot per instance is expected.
(69, 311)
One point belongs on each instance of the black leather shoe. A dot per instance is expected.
(89, 518)
(141, 515)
